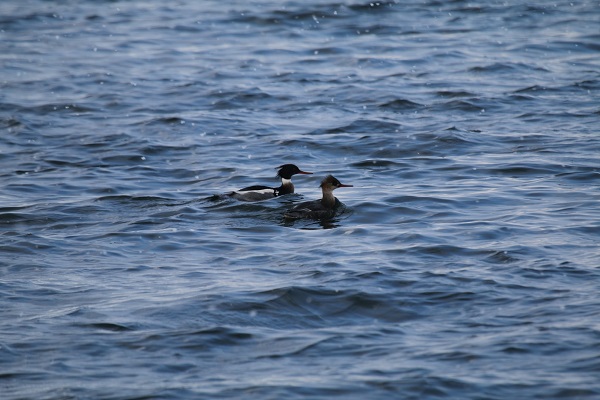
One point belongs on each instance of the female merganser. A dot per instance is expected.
(319, 209)
(258, 192)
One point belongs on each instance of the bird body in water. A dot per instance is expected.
(319, 209)
(259, 192)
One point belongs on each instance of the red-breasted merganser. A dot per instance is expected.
(258, 192)
(319, 209)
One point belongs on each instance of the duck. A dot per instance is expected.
(260, 192)
(324, 208)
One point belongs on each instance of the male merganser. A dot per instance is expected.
(258, 192)
(319, 209)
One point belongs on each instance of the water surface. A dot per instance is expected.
(465, 262)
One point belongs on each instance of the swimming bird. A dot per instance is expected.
(259, 192)
(319, 209)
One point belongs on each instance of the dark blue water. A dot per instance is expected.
(466, 263)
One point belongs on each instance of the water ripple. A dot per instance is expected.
(462, 264)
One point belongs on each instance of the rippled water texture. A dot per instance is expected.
(464, 264)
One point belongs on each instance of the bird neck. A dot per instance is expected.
(328, 199)
(286, 186)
